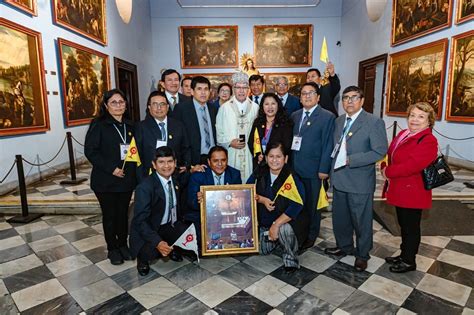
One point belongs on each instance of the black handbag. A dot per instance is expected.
(437, 173)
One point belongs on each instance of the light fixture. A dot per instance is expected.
(124, 8)
(247, 3)
(375, 9)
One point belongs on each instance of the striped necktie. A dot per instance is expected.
(207, 133)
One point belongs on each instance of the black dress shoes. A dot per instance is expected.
(143, 267)
(115, 257)
(335, 251)
(307, 244)
(125, 252)
(402, 267)
(176, 256)
(290, 270)
(360, 264)
(393, 260)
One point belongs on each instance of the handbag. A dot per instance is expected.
(437, 173)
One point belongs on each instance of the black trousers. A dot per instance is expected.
(114, 206)
(409, 221)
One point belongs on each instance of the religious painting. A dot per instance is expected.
(209, 46)
(229, 220)
(23, 101)
(283, 46)
(85, 78)
(417, 75)
(465, 11)
(460, 98)
(415, 18)
(86, 17)
(215, 79)
(28, 6)
(295, 81)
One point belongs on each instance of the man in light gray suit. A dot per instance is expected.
(361, 141)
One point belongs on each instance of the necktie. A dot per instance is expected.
(207, 134)
(163, 131)
(305, 119)
(256, 99)
(218, 177)
(282, 101)
(174, 102)
(170, 203)
(347, 126)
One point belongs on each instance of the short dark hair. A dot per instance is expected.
(168, 72)
(222, 85)
(276, 145)
(200, 79)
(217, 148)
(256, 77)
(184, 79)
(164, 151)
(312, 84)
(315, 70)
(354, 88)
(156, 93)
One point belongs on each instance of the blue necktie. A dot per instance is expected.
(163, 131)
(207, 134)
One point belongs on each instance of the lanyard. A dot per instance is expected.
(124, 137)
(347, 128)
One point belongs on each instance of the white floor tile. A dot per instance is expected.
(386, 289)
(271, 290)
(97, 293)
(457, 259)
(37, 294)
(213, 291)
(66, 265)
(445, 289)
(316, 262)
(10, 242)
(155, 292)
(19, 265)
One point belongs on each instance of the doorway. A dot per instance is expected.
(126, 79)
(372, 74)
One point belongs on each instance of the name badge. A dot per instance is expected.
(160, 143)
(336, 148)
(123, 150)
(296, 144)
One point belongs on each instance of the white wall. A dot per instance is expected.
(128, 42)
(361, 39)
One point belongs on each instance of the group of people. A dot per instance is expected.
(247, 136)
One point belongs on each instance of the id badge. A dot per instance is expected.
(296, 144)
(336, 148)
(161, 143)
(123, 150)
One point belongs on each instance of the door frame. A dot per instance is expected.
(373, 62)
(125, 65)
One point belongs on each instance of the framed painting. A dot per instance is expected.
(215, 78)
(460, 98)
(465, 11)
(229, 220)
(417, 75)
(283, 46)
(84, 17)
(295, 81)
(414, 18)
(85, 77)
(28, 6)
(209, 46)
(23, 101)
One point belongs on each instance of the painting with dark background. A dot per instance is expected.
(295, 81)
(28, 6)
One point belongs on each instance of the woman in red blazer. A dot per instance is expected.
(410, 152)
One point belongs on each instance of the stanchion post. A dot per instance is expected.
(394, 131)
(72, 163)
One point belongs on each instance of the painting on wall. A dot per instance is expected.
(209, 46)
(460, 98)
(85, 17)
(28, 6)
(417, 75)
(414, 18)
(465, 11)
(215, 78)
(23, 102)
(283, 45)
(295, 81)
(85, 77)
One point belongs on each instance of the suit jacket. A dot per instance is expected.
(292, 104)
(186, 113)
(146, 135)
(314, 155)
(366, 143)
(150, 203)
(182, 99)
(328, 92)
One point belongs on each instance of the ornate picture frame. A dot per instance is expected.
(295, 81)
(417, 75)
(23, 100)
(464, 11)
(460, 97)
(284, 46)
(27, 6)
(229, 220)
(85, 76)
(209, 46)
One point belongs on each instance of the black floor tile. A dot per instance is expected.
(15, 253)
(80, 234)
(96, 254)
(297, 279)
(453, 273)
(39, 235)
(461, 247)
(7, 233)
(122, 304)
(424, 303)
(130, 279)
(363, 303)
(304, 303)
(346, 274)
(183, 303)
(242, 303)
(93, 220)
(57, 253)
(27, 278)
(63, 304)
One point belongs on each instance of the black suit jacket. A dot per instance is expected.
(182, 99)
(148, 132)
(328, 92)
(186, 113)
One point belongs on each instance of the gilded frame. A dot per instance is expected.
(215, 79)
(295, 81)
(241, 216)
(30, 7)
(462, 17)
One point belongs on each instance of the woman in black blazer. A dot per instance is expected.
(106, 143)
(272, 124)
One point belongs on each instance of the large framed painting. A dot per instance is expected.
(23, 101)
(460, 98)
(209, 46)
(283, 46)
(295, 81)
(414, 18)
(28, 6)
(85, 77)
(465, 11)
(85, 17)
(229, 220)
(215, 78)
(417, 75)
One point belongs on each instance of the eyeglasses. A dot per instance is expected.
(308, 94)
(120, 103)
(241, 87)
(224, 91)
(282, 84)
(158, 105)
(351, 99)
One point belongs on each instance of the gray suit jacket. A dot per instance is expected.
(366, 143)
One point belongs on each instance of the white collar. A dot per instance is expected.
(164, 120)
(309, 110)
(164, 181)
(169, 96)
(354, 117)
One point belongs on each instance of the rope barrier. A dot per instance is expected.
(54, 157)
(390, 127)
(50, 167)
(459, 155)
(459, 139)
(8, 173)
(75, 140)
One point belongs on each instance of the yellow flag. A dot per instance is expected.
(289, 190)
(257, 147)
(384, 162)
(132, 153)
(324, 57)
(323, 201)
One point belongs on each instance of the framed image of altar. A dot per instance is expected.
(229, 220)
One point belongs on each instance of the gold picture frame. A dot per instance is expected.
(229, 220)
(295, 81)
(27, 6)
(465, 11)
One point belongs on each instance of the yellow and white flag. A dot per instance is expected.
(257, 146)
(324, 57)
(188, 240)
(323, 200)
(289, 190)
(132, 153)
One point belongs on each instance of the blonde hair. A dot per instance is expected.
(425, 107)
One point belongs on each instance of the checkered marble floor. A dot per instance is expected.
(58, 264)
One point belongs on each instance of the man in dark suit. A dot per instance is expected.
(290, 103)
(170, 82)
(256, 83)
(218, 173)
(311, 151)
(199, 119)
(361, 141)
(159, 130)
(329, 90)
(154, 225)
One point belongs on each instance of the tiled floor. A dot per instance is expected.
(58, 265)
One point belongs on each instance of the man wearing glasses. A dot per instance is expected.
(329, 90)
(290, 103)
(360, 141)
(311, 152)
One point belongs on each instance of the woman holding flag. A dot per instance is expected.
(107, 147)
(280, 197)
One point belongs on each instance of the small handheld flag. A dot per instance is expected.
(384, 162)
(257, 146)
(132, 154)
(188, 240)
(289, 190)
(323, 201)
(324, 57)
